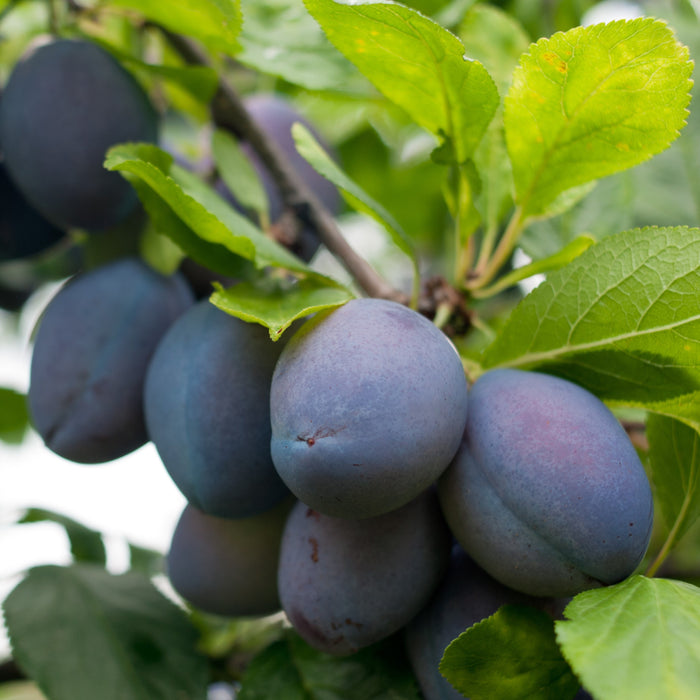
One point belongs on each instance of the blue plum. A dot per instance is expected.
(90, 355)
(368, 404)
(225, 566)
(65, 103)
(546, 493)
(211, 427)
(345, 584)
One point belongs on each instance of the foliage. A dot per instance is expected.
(463, 134)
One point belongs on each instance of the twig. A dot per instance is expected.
(228, 112)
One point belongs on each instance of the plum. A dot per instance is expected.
(346, 584)
(368, 405)
(90, 356)
(546, 492)
(228, 566)
(211, 427)
(65, 104)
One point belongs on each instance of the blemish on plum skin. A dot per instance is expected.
(310, 440)
(314, 549)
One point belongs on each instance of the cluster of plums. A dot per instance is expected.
(346, 473)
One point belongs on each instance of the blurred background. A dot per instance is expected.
(132, 500)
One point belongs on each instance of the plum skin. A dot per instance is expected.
(212, 427)
(90, 356)
(345, 584)
(228, 566)
(368, 404)
(65, 103)
(546, 492)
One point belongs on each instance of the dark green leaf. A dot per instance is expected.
(14, 416)
(82, 634)
(146, 561)
(291, 670)
(86, 544)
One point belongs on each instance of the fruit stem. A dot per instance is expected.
(488, 269)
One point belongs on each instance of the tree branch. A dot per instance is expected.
(228, 112)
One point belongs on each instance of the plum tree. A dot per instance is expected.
(546, 492)
(89, 362)
(275, 116)
(345, 584)
(368, 404)
(228, 566)
(65, 103)
(212, 426)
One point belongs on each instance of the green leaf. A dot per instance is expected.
(86, 544)
(637, 640)
(82, 634)
(674, 457)
(14, 416)
(216, 23)
(159, 251)
(417, 64)
(353, 194)
(146, 561)
(590, 102)
(622, 319)
(299, 52)
(511, 655)
(238, 172)
(291, 670)
(276, 305)
(221, 229)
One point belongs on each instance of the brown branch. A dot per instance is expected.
(228, 112)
